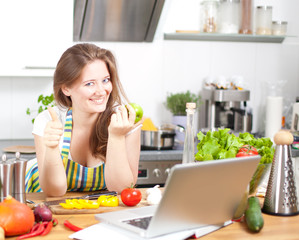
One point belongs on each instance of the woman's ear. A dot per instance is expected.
(66, 90)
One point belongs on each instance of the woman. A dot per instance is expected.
(89, 141)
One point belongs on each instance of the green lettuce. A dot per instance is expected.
(221, 144)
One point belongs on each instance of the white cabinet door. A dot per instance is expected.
(34, 32)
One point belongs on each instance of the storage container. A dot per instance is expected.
(263, 20)
(208, 16)
(246, 17)
(229, 16)
(279, 27)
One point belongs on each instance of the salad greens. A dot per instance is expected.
(221, 144)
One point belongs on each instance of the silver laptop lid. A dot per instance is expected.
(202, 193)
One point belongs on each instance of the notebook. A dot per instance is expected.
(195, 195)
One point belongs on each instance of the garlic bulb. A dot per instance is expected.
(154, 195)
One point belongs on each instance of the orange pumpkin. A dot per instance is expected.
(16, 218)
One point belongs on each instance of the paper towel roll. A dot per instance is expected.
(273, 116)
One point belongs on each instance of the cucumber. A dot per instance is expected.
(253, 215)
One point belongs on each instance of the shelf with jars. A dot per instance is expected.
(202, 36)
(232, 20)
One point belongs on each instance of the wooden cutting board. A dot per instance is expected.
(57, 209)
(20, 149)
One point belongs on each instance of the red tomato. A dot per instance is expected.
(246, 151)
(131, 196)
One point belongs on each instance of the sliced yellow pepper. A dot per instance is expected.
(79, 204)
(108, 201)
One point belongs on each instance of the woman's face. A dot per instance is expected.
(92, 90)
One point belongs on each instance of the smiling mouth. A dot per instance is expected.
(98, 101)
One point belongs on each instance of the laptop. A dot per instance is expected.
(196, 195)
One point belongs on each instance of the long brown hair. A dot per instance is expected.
(68, 71)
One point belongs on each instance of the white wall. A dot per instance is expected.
(148, 70)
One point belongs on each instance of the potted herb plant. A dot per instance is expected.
(176, 104)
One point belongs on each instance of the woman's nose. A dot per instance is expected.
(100, 88)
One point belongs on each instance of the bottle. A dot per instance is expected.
(188, 153)
(246, 20)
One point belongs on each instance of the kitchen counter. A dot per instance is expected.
(275, 227)
(144, 154)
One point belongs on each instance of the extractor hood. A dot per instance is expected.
(116, 20)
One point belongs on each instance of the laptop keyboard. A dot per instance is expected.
(142, 222)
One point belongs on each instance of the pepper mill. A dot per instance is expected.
(19, 178)
(281, 196)
(6, 173)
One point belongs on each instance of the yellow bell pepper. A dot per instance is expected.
(108, 201)
(79, 204)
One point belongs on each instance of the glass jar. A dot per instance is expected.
(279, 28)
(263, 20)
(229, 16)
(208, 16)
(246, 19)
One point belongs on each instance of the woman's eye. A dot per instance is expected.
(89, 84)
(106, 80)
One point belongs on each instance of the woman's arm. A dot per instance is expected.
(123, 151)
(52, 177)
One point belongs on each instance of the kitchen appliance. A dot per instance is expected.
(117, 20)
(281, 196)
(154, 166)
(225, 108)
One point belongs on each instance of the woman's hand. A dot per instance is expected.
(53, 130)
(121, 122)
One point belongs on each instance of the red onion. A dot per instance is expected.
(42, 213)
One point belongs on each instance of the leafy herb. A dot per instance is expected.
(221, 144)
(44, 102)
(176, 103)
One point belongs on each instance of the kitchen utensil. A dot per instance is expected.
(163, 139)
(87, 196)
(281, 196)
(20, 149)
(6, 174)
(19, 178)
(157, 140)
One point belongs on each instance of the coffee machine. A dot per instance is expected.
(225, 108)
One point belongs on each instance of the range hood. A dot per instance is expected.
(116, 20)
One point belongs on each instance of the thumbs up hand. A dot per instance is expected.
(53, 130)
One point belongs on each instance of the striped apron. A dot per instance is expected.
(79, 178)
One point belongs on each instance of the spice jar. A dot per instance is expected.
(263, 20)
(208, 16)
(279, 28)
(229, 16)
(246, 19)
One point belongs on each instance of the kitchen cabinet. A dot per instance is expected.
(34, 34)
(224, 37)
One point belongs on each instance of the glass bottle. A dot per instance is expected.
(188, 153)
(246, 20)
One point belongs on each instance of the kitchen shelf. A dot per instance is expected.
(43, 72)
(224, 37)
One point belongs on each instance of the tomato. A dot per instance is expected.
(130, 196)
(246, 151)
